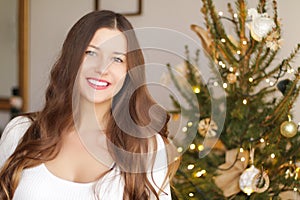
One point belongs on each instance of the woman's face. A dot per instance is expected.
(104, 66)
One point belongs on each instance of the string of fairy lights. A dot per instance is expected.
(198, 173)
(232, 75)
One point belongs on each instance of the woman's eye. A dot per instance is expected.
(90, 53)
(119, 60)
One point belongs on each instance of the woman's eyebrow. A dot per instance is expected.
(119, 53)
(115, 52)
(93, 46)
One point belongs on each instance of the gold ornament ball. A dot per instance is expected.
(288, 129)
(231, 78)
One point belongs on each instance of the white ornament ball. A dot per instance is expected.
(246, 179)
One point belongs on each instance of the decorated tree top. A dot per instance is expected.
(259, 136)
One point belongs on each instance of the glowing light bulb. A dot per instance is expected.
(244, 42)
(192, 146)
(272, 155)
(191, 194)
(243, 159)
(220, 13)
(250, 79)
(184, 129)
(223, 66)
(267, 80)
(271, 83)
(245, 101)
(241, 150)
(235, 15)
(179, 149)
(220, 62)
(200, 147)
(223, 40)
(190, 166)
(262, 140)
(196, 90)
(216, 84)
(200, 173)
(224, 85)
(231, 69)
(238, 52)
(190, 124)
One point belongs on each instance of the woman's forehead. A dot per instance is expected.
(109, 39)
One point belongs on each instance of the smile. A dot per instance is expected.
(98, 84)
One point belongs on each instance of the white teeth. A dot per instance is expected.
(98, 83)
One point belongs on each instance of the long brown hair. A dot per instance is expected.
(42, 141)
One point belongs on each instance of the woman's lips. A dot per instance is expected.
(98, 84)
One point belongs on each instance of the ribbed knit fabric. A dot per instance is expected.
(38, 183)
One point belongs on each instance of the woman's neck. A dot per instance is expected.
(93, 116)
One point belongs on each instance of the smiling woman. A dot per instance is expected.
(100, 134)
(13, 51)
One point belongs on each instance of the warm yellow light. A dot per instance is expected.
(244, 42)
(235, 15)
(196, 90)
(191, 194)
(238, 52)
(272, 155)
(179, 149)
(245, 101)
(231, 69)
(200, 147)
(262, 140)
(192, 146)
(184, 129)
(190, 166)
(190, 124)
(243, 159)
(200, 173)
(224, 85)
(248, 191)
(220, 13)
(241, 150)
(216, 84)
(250, 79)
(223, 40)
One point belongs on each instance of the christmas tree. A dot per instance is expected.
(254, 152)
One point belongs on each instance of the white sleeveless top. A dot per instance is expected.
(38, 183)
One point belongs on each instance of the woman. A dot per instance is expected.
(100, 135)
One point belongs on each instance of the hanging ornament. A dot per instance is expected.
(288, 128)
(252, 179)
(231, 78)
(261, 182)
(207, 127)
(260, 24)
(282, 85)
(290, 170)
(273, 41)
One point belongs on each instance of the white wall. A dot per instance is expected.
(50, 21)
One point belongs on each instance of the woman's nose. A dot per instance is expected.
(102, 65)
